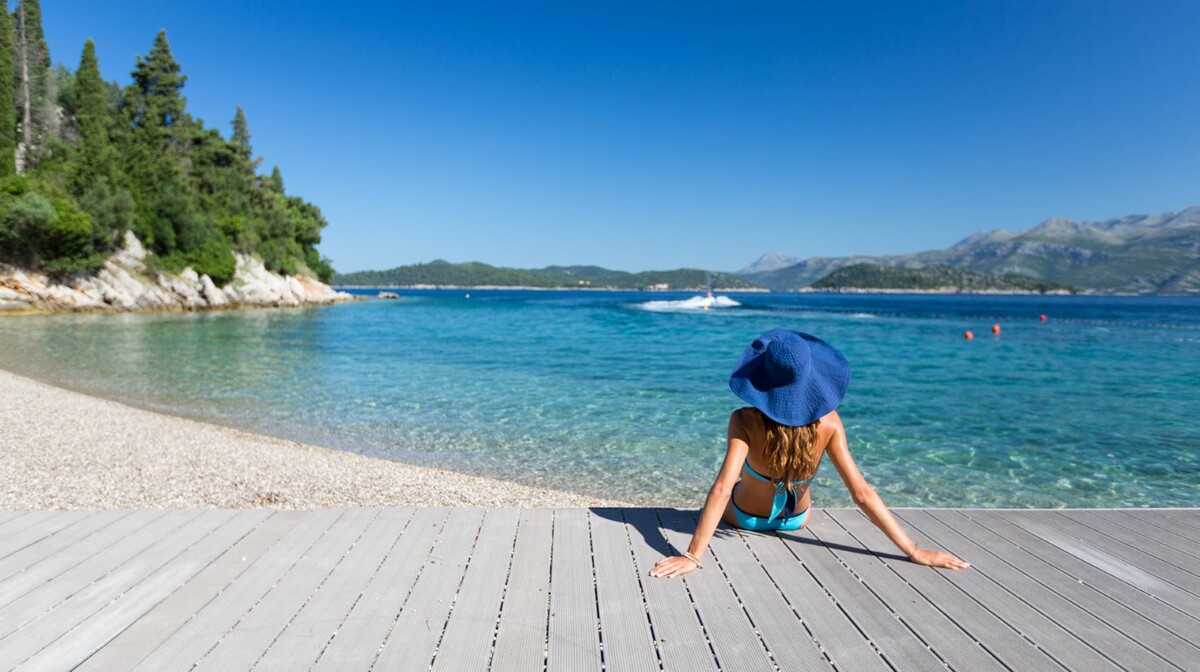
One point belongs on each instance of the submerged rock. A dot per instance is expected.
(122, 284)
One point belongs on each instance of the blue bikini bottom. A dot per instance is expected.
(748, 521)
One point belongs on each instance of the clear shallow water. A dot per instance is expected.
(597, 392)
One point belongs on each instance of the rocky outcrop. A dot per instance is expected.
(125, 283)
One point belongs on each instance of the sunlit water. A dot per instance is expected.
(601, 393)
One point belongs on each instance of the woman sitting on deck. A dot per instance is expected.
(793, 382)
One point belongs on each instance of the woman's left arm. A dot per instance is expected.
(714, 506)
(871, 504)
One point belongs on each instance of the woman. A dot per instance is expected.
(793, 382)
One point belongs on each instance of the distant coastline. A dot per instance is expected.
(722, 290)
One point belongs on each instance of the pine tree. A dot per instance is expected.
(276, 180)
(8, 113)
(92, 122)
(39, 116)
(158, 83)
(241, 135)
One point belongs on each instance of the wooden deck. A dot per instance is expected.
(567, 589)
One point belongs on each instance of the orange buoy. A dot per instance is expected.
(968, 335)
(996, 329)
(1042, 317)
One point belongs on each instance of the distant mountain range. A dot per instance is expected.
(474, 274)
(1146, 254)
(1138, 253)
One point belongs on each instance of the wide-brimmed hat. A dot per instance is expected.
(793, 377)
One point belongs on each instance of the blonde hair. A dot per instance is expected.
(790, 451)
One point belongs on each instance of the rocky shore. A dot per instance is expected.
(64, 450)
(125, 283)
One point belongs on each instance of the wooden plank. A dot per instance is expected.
(986, 582)
(364, 630)
(732, 634)
(574, 630)
(104, 582)
(311, 630)
(786, 635)
(470, 629)
(187, 645)
(144, 589)
(949, 641)
(1189, 545)
(1179, 626)
(524, 615)
(33, 553)
(1143, 562)
(894, 640)
(833, 631)
(419, 626)
(134, 643)
(1164, 529)
(628, 640)
(682, 642)
(1089, 615)
(950, 593)
(1114, 566)
(1104, 530)
(47, 594)
(33, 527)
(6, 516)
(1188, 518)
(52, 566)
(245, 643)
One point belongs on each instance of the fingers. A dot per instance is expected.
(671, 567)
(949, 561)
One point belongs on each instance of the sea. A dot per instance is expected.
(624, 395)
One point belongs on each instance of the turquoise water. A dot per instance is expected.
(595, 392)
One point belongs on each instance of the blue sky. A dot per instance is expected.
(651, 135)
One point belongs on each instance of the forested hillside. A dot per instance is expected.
(475, 274)
(83, 160)
(931, 278)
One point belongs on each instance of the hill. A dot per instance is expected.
(83, 162)
(931, 278)
(1139, 253)
(475, 274)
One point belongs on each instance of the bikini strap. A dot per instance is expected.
(780, 498)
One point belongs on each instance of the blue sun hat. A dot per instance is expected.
(794, 378)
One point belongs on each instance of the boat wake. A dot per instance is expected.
(696, 303)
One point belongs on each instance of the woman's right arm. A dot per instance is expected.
(872, 504)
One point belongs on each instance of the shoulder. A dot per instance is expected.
(743, 422)
(830, 428)
(747, 417)
(831, 421)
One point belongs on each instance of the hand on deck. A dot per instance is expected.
(673, 566)
(941, 559)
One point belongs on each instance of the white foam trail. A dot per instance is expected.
(696, 303)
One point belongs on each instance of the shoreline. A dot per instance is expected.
(68, 450)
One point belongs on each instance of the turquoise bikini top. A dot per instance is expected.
(781, 489)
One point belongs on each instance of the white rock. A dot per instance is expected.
(214, 296)
(121, 284)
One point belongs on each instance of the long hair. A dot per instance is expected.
(790, 450)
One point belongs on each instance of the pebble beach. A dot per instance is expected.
(64, 450)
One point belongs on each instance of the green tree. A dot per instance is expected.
(35, 93)
(95, 159)
(241, 139)
(275, 182)
(158, 83)
(8, 113)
